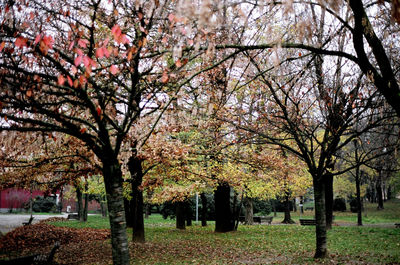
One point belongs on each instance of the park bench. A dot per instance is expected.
(73, 216)
(307, 221)
(33, 259)
(397, 225)
(258, 219)
(29, 222)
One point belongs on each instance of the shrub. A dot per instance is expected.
(339, 204)
(44, 204)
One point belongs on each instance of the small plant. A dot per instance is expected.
(44, 204)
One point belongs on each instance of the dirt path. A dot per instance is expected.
(9, 222)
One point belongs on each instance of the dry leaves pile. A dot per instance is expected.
(40, 237)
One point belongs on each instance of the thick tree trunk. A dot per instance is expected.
(328, 179)
(203, 209)
(180, 215)
(358, 194)
(288, 218)
(379, 193)
(223, 213)
(321, 250)
(136, 203)
(248, 208)
(79, 203)
(119, 239)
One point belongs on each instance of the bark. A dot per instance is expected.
(328, 179)
(203, 209)
(86, 207)
(103, 207)
(147, 211)
(294, 205)
(128, 213)
(248, 214)
(358, 194)
(223, 213)
(188, 213)
(113, 184)
(274, 208)
(136, 203)
(301, 203)
(180, 215)
(321, 250)
(379, 193)
(79, 203)
(288, 218)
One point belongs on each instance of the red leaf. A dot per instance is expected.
(83, 130)
(37, 39)
(78, 60)
(116, 31)
(48, 41)
(20, 42)
(100, 53)
(171, 17)
(70, 83)
(113, 70)
(98, 111)
(61, 80)
(86, 61)
(83, 43)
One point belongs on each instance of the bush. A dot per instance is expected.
(353, 205)
(44, 204)
(339, 205)
(261, 207)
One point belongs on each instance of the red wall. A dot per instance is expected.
(15, 198)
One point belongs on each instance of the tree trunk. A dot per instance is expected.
(103, 207)
(136, 203)
(128, 213)
(288, 218)
(294, 205)
(223, 213)
(248, 214)
(79, 203)
(188, 212)
(379, 194)
(274, 207)
(320, 218)
(328, 179)
(358, 194)
(113, 184)
(146, 211)
(301, 205)
(180, 215)
(86, 207)
(203, 209)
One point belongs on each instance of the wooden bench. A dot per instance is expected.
(397, 225)
(33, 259)
(73, 216)
(258, 219)
(29, 222)
(307, 221)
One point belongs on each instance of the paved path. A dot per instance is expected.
(9, 222)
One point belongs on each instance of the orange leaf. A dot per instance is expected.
(165, 77)
(61, 80)
(83, 130)
(29, 93)
(2, 46)
(70, 83)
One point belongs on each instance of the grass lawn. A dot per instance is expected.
(264, 244)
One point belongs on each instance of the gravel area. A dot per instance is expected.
(9, 222)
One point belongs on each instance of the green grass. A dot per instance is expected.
(265, 244)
